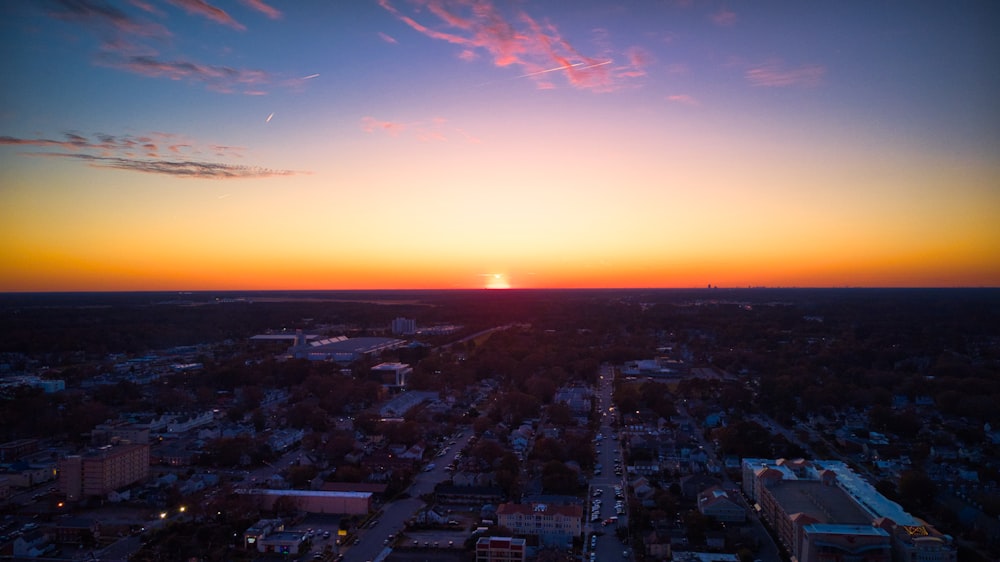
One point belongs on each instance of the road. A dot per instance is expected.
(391, 520)
(607, 546)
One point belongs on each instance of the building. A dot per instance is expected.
(554, 525)
(500, 549)
(260, 530)
(717, 504)
(822, 510)
(13, 450)
(403, 326)
(119, 431)
(315, 501)
(822, 543)
(77, 530)
(104, 470)
(395, 374)
(341, 349)
(288, 543)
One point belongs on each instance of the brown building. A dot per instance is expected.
(104, 470)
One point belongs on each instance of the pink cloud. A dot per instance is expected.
(436, 129)
(724, 18)
(774, 74)
(516, 39)
(263, 8)
(204, 9)
(387, 38)
(683, 99)
(146, 7)
(370, 125)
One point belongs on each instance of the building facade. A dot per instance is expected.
(500, 549)
(822, 511)
(103, 470)
(553, 524)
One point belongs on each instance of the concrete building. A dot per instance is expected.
(104, 470)
(554, 525)
(822, 510)
(500, 549)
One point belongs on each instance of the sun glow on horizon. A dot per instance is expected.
(497, 281)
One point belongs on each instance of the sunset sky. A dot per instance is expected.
(379, 144)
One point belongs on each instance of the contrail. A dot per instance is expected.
(311, 76)
(565, 67)
(268, 120)
(609, 61)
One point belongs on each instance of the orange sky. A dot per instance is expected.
(375, 145)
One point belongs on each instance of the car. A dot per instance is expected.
(326, 534)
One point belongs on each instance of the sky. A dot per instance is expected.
(394, 144)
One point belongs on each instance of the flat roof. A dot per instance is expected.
(828, 504)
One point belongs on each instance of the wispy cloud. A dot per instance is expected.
(371, 124)
(387, 38)
(179, 168)
(263, 8)
(517, 40)
(436, 129)
(147, 7)
(776, 74)
(683, 99)
(206, 10)
(724, 18)
(133, 41)
(155, 153)
(218, 78)
(105, 19)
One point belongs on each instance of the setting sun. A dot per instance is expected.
(497, 281)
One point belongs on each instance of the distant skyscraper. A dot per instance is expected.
(404, 326)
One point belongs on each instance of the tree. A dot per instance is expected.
(915, 486)
(557, 478)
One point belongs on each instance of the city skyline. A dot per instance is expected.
(258, 144)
